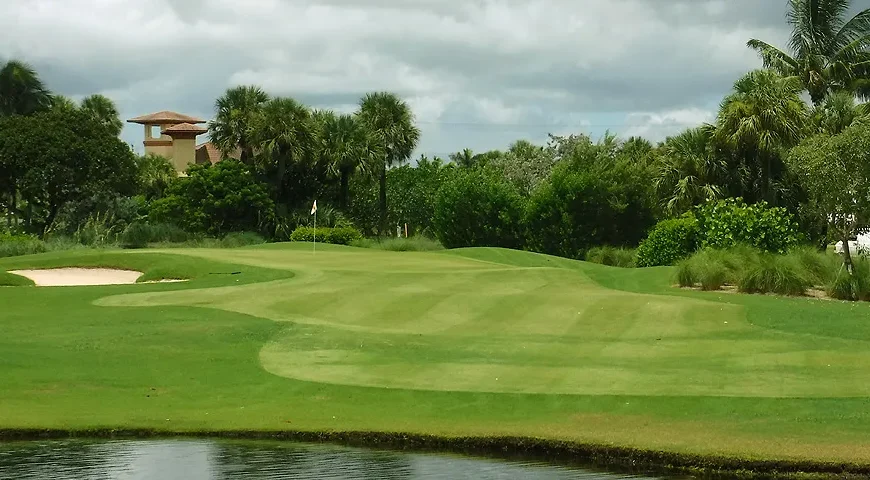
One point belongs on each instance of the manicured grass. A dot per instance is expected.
(462, 342)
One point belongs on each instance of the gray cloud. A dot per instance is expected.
(479, 73)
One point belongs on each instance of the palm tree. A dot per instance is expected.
(237, 112)
(838, 112)
(347, 147)
(689, 172)
(154, 174)
(763, 116)
(103, 109)
(464, 159)
(21, 90)
(284, 133)
(391, 120)
(828, 53)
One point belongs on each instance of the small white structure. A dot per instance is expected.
(861, 245)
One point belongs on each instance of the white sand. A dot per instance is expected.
(65, 277)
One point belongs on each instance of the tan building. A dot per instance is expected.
(173, 135)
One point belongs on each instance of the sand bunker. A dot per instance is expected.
(65, 277)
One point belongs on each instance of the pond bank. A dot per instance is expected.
(604, 456)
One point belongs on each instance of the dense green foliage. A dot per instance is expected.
(215, 199)
(52, 158)
(730, 222)
(417, 243)
(477, 208)
(335, 236)
(669, 241)
(597, 195)
(14, 245)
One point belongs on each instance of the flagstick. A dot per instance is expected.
(315, 232)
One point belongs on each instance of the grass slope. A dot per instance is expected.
(464, 342)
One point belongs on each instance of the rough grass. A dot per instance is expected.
(781, 274)
(473, 342)
(400, 244)
(613, 256)
(754, 272)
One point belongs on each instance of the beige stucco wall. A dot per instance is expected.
(183, 153)
(159, 149)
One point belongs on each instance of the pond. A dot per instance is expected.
(240, 460)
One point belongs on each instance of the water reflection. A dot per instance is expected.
(218, 460)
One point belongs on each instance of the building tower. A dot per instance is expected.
(171, 135)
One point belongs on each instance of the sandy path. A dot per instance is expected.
(63, 277)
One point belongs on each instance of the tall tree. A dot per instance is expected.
(347, 147)
(836, 172)
(284, 133)
(827, 52)
(764, 116)
(21, 90)
(103, 110)
(238, 111)
(60, 156)
(392, 121)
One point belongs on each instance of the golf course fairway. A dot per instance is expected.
(470, 342)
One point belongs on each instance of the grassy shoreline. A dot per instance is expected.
(482, 347)
(618, 458)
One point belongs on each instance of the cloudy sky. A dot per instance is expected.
(477, 73)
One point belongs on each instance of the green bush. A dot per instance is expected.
(773, 273)
(215, 200)
(712, 269)
(855, 286)
(820, 268)
(417, 243)
(588, 203)
(241, 239)
(15, 245)
(668, 242)
(612, 256)
(140, 234)
(730, 222)
(479, 209)
(337, 236)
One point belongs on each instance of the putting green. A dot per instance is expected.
(465, 342)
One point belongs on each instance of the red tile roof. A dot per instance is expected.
(165, 117)
(209, 152)
(184, 128)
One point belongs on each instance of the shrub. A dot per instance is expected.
(216, 200)
(712, 269)
(668, 242)
(730, 222)
(417, 243)
(612, 256)
(584, 205)
(241, 239)
(820, 268)
(338, 236)
(852, 287)
(479, 209)
(774, 274)
(140, 234)
(15, 245)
